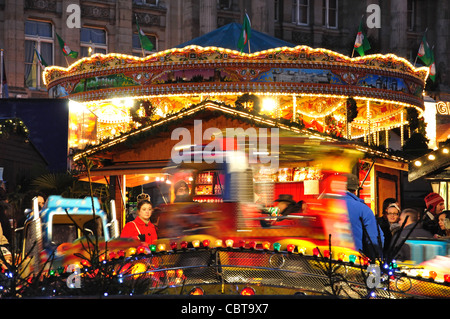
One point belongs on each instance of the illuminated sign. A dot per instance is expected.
(443, 108)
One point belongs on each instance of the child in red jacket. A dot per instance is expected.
(141, 228)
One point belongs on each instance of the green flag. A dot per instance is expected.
(65, 48)
(432, 67)
(146, 44)
(425, 53)
(361, 42)
(41, 60)
(245, 34)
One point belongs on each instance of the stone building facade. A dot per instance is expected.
(110, 26)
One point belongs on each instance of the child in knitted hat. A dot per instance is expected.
(434, 206)
(435, 203)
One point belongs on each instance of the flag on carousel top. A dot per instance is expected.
(432, 66)
(41, 60)
(146, 44)
(361, 42)
(66, 49)
(425, 53)
(245, 34)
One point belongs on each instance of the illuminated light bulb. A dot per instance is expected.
(242, 243)
(206, 243)
(432, 275)
(140, 250)
(131, 251)
(196, 291)
(266, 245)
(445, 150)
(248, 291)
(431, 157)
(85, 262)
(112, 255)
(184, 244)
(152, 248)
(252, 244)
(290, 248)
(102, 257)
(161, 247)
(302, 250)
(196, 243)
(316, 252)
(120, 254)
(326, 253)
(173, 245)
(341, 256)
(447, 278)
(180, 273)
(352, 258)
(218, 243)
(418, 163)
(229, 243)
(277, 246)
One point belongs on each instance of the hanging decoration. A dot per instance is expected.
(142, 111)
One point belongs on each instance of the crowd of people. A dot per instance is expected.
(373, 236)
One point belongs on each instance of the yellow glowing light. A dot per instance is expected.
(268, 104)
(138, 268)
(196, 243)
(431, 157)
(418, 163)
(445, 150)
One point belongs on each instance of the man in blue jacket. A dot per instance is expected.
(367, 235)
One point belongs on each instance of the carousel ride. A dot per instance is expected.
(317, 89)
(323, 90)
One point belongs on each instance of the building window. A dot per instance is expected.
(300, 12)
(39, 36)
(149, 2)
(276, 10)
(411, 15)
(92, 40)
(330, 13)
(137, 48)
(224, 4)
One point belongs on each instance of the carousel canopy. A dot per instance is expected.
(318, 88)
(228, 36)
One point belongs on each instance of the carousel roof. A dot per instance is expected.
(314, 86)
(228, 36)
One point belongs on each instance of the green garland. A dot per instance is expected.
(13, 126)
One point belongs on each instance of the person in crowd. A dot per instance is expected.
(5, 228)
(181, 190)
(368, 236)
(434, 206)
(286, 205)
(412, 229)
(444, 225)
(389, 219)
(141, 227)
